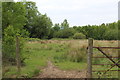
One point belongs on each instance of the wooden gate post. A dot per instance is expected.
(18, 54)
(1, 40)
(89, 58)
(118, 58)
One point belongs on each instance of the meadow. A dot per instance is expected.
(64, 54)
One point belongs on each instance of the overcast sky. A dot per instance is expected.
(79, 12)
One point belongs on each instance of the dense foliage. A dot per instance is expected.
(19, 18)
(37, 24)
(9, 43)
(13, 21)
(26, 15)
(98, 32)
(79, 36)
(101, 32)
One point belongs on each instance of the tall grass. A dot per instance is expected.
(75, 52)
(65, 54)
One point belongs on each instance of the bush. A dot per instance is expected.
(64, 33)
(9, 43)
(79, 36)
(111, 35)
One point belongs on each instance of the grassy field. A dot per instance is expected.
(65, 54)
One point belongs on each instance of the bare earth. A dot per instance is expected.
(52, 71)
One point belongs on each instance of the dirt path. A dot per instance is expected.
(52, 71)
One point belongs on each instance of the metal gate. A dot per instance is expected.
(115, 63)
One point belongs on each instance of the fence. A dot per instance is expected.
(90, 58)
(18, 54)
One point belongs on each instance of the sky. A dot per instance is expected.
(79, 12)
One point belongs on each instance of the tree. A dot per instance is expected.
(9, 43)
(38, 25)
(56, 27)
(65, 24)
(32, 15)
(13, 14)
(41, 28)
(14, 19)
(54, 30)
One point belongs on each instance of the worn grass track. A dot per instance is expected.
(52, 71)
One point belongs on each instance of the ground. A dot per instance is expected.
(52, 71)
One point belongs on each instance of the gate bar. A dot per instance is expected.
(108, 47)
(108, 57)
(104, 64)
(104, 57)
(103, 70)
(110, 68)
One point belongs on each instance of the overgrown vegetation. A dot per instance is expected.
(66, 55)
(23, 20)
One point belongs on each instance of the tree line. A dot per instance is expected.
(25, 16)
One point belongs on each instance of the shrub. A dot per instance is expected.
(64, 33)
(111, 34)
(9, 43)
(79, 36)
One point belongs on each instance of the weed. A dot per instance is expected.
(36, 72)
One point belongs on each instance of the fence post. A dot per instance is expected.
(118, 58)
(0, 40)
(18, 54)
(89, 59)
